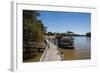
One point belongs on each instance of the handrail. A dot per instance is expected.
(44, 53)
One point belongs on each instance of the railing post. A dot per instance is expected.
(44, 53)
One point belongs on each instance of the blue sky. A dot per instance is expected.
(76, 22)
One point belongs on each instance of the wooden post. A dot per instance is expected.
(62, 56)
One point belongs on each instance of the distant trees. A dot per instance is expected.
(56, 33)
(68, 33)
(51, 33)
(88, 34)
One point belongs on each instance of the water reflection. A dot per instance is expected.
(82, 42)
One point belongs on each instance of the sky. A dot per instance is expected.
(79, 23)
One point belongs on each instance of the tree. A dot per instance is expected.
(33, 29)
(50, 33)
(43, 28)
(88, 34)
(37, 32)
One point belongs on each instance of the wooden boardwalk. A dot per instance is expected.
(52, 53)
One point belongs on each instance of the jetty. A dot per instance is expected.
(52, 53)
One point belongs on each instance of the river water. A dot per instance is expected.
(81, 51)
(82, 47)
(82, 42)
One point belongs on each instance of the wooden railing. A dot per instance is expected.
(44, 53)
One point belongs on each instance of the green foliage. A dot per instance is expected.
(33, 29)
(50, 33)
(88, 34)
(37, 32)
